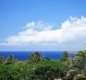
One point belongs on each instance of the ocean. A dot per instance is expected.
(24, 55)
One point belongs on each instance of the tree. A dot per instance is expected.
(81, 54)
(65, 56)
(34, 58)
(10, 60)
(77, 67)
(79, 61)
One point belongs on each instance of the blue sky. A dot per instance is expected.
(16, 14)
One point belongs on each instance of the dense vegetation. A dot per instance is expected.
(37, 67)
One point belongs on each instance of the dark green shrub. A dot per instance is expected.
(1, 60)
(48, 70)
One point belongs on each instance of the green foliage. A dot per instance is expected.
(79, 61)
(48, 70)
(78, 64)
(44, 69)
(65, 56)
(1, 60)
(5, 72)
(10, 60)
(12, 72)
(41, 71)
(34, 58)
(81, 54)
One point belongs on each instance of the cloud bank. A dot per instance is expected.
(72, 31)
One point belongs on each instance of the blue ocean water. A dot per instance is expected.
(23, 55)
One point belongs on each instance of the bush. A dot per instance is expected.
(11, 72)
(1, 60)
(48, 70)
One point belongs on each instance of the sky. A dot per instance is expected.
(42, 25)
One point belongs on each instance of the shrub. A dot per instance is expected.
(48, 70)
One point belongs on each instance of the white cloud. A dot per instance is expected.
(72, 31)
(40, 25)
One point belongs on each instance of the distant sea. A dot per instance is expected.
(23, 55)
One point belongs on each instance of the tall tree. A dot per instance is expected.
(34, 58)
(9, 60)
(79, 60)
(65, 56)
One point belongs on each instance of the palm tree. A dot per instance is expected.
(65, 56)
(34, 58)
(10, 60)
